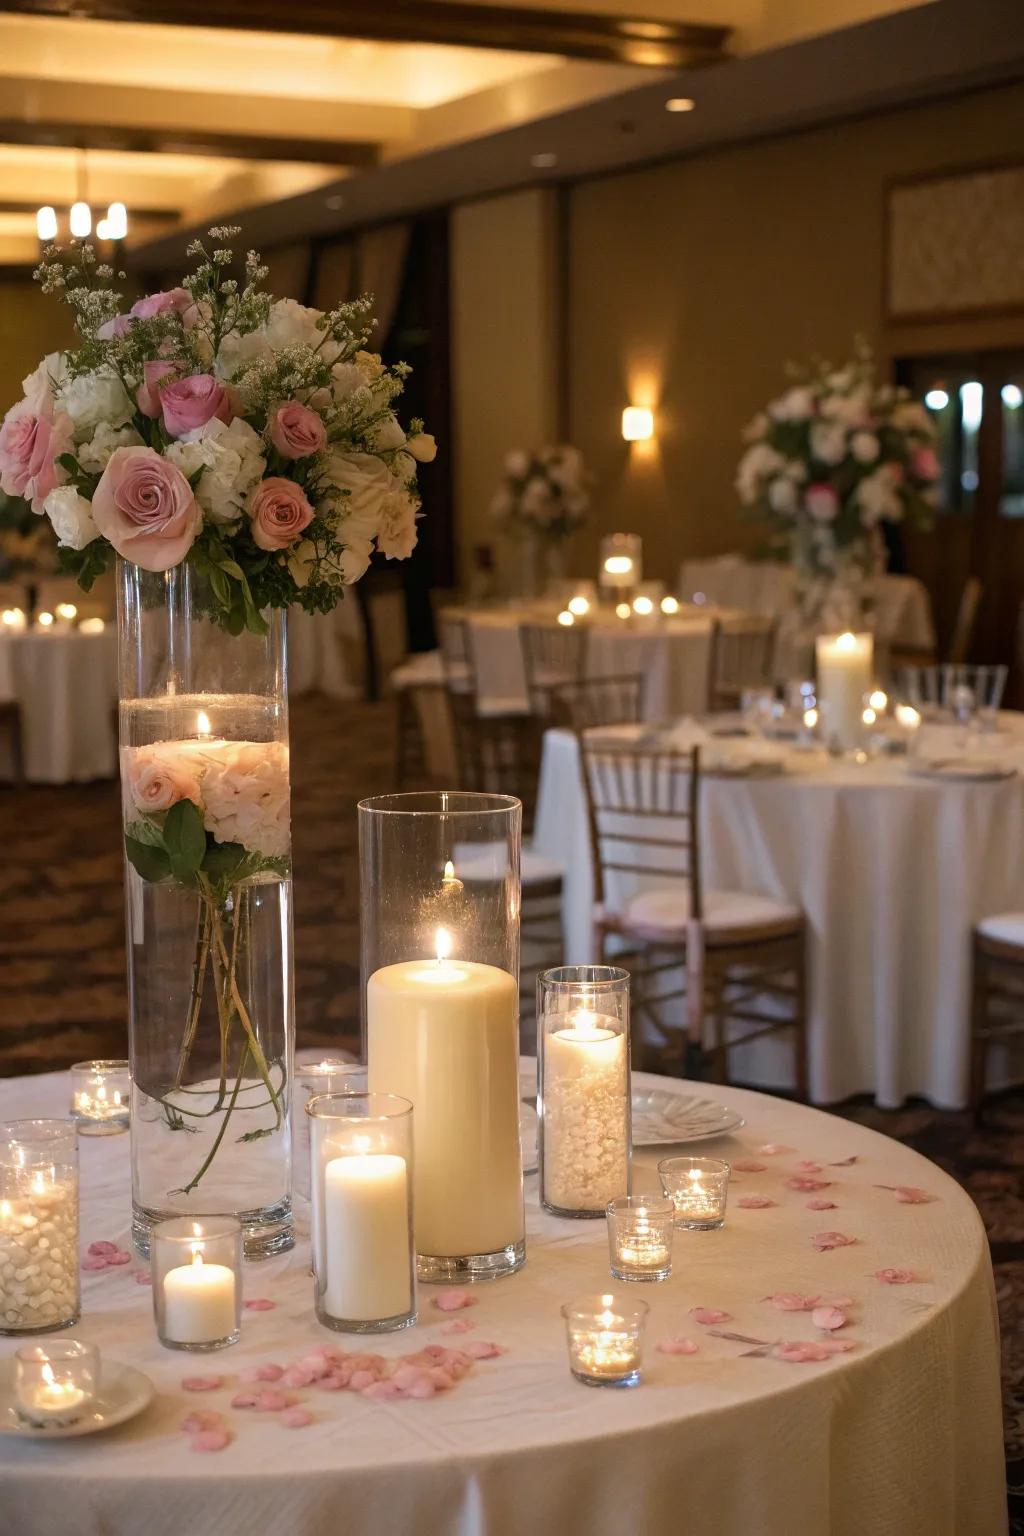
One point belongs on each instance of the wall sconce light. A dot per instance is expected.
(637, 424)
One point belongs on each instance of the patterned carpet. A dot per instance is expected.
(63, 994)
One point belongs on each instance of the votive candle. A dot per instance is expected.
(100, 1097)
(698, 1188)
(640, 1229)
(54, 1385)
(605, 1339)
(197, 1282)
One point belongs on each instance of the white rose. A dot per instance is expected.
(853, 410)
(782, 495)
(864, 447)
(95, 399)
(422, 447)
(93, 454)
(71, 517)
(233, 462)
(301, 561)
(291, 324)
(366, 479)
(758, 463)
(237, 353)
(387, 435)
(516, 463)
(397, 535)
(877, 498)
(797, 404)
(346, 378)
(828, 442)
(245, 797)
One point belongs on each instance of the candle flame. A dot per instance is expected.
(47, 1374)
(449, 870)
(618, 565)
(847, 641)
(443, 944)
(694, 1174)
(878, 699)
(5, 1209)
(197, 1258)
(202, 723)
(38, 1184)
(117, 1097)
(101, 1092)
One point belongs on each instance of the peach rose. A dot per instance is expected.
(157, 782)
(279, 512)
(296, 431)
(145, 507)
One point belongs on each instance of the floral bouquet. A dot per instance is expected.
(543, 492)
(831, 459)
(255, 439)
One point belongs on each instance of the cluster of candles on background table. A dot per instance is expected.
(100, 1097)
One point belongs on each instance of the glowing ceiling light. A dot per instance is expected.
(81, 220)
(46, 223)
(936, 399)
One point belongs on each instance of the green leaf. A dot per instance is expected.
(232, 568)
(223, 859)
(149, 862)
(220, 586)
(185, 840)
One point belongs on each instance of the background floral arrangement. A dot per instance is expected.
(543, 492)
(832, 458)
(255, 439)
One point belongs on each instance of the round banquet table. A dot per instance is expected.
(900, 1435)
(65, 684)
(891, 870)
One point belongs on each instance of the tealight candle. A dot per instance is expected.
(621, 561)
(698, 1188)
(93, 626)
(39, 1288)
(44, 620)
(640, 1231)
(583, 1088)
(197, 1286)
(100, 1097)
(13, 618)
(66, 613)
(54, 1386)
(605, 1340)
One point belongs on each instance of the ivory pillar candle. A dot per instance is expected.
(366, 1237)
(444, 1034)
(845, 676)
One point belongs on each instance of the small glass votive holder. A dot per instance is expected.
(621, 563)
(583, 1092)
(640, 1229)
(54, 1384)
(197, 1281)
(698, 1188)
(316, 1073)
(39, 1276)
(605, 1335)
(364, 1262)
(100, 1097)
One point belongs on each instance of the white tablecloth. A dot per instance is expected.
(903, 613)
(65, 684)
(325, 651)
(900, 1437)
(892, 871)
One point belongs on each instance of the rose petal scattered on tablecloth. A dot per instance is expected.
(201, 1418)
(268, 1372)
(244, 1400)
(799, 1352)
(822, 1205)
(201, 1383)
(792, 1301)
(119, 1258)
(102, 1248)
(828, 1318)
(808, 1167)
(259, 1304)
(95, 1261)
(755, 1202)
(142, 1277)
(822, 1241)
(297, 1376)
(453, 1301)
(748, 1165)
(380, 1391)
(458, 1325)
(296, 1418)
(896, 1276)
(710, 1315)
(807, 1185)
(482, 1349)
(211, 1440)
(674, 1345)
(908, 1194)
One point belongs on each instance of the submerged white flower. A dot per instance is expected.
(245, 797)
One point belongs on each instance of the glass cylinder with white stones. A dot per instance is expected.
(583, 1094)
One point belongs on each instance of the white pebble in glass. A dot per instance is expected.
(39, 1281)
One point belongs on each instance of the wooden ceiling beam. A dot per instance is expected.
(178, 141)
(573, 34)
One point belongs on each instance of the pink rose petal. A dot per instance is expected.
(792, 1301)
(441, 1378)
(296, 1418)
(458, 1325)
(259, 1304)
(806, 1167)
(896, 1276)
(200, 1419)
(807, 1185)
(453, 1301)
(102, 1249)
(270, 1401)
(211, 1440)
(481, 1349)
(828, 1318)
(380, 1391)
(709, 1315)
(118, 1258)
(822, 1205)
(675, 1345)
(755, 1202)
(94, 1261)
(362, 1379)
(142, 1277)
(748, 1165)
(337, 1381)
(825, 1240)
(798, 1352)
(906, 1194)
(261, 1373)
(244, 1400)
(422, 1389)
(201, 1383)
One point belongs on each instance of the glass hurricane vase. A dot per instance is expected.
(205, 795)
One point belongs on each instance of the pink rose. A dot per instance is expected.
(145, 507)
(157, 782)
(821, 502)
(178, 299)
(296, 431)
(110, 329)
(30, 446)
(153, 375)
(924, 464)
(279, 512)
(191, 402)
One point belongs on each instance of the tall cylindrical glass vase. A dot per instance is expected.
(205, 794)
(439, 906)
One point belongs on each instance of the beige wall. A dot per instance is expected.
(692, 282)
(31, 325)
(504, 331)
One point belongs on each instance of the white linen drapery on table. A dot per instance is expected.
(65, 684)
(891, 871)
(326, 651)
(901, 1437)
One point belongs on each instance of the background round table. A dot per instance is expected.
(900, 1435)
(65, 685)
(892, 871)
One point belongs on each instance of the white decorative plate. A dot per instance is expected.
(962, 769)
(661, 1118)
(123, 1392)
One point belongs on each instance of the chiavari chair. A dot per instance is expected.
(553, 655)
(742, 656)
(997, 1002)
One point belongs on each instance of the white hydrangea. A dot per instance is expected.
(877, 498)
(797, 404)
(232, 459)
(828, 442)
(95, 399)
(760, 462)
(396, 537)
(94, 453)
(865, 447)
(852, 410)
(71, 517)
(782, 495)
